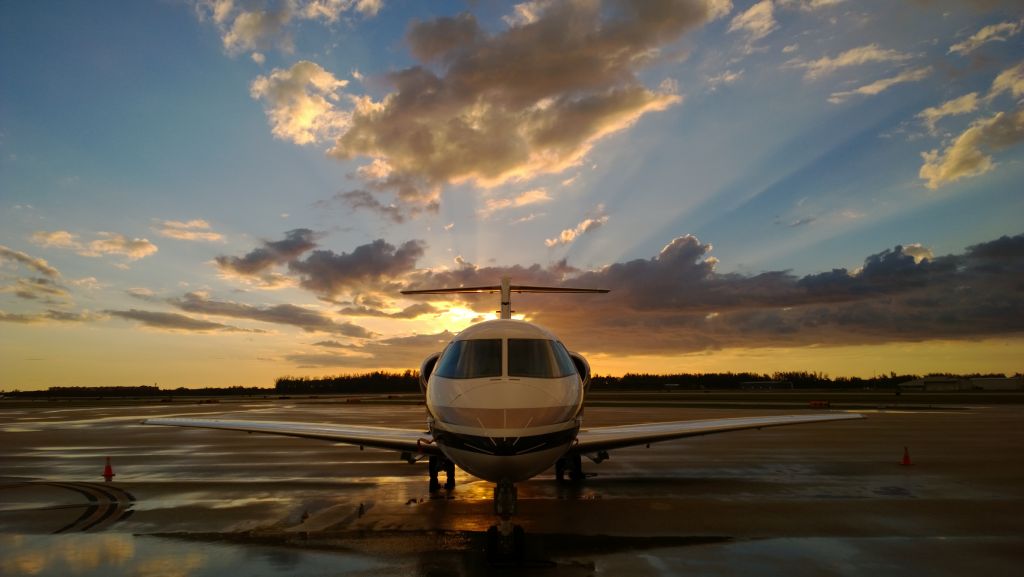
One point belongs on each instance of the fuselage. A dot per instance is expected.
(504, 399)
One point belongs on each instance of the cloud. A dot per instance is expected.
(257, 29)
(50, 315)
(569, 235)
(331, 10)
(248, 26)
(409, 312)
(192, 230)
(802, 221)
(361, 199)
(756, 23)
(143, 294)
(724, 79)
(992, 33)
(970, 153)
(488, 108)
(171, 321)
(56, 239)
(368, 266)
(328, 274)
(1010, 80)
(443, 37)
(108, 243)
(677, 302)
(809, 5)
(118, 244)
(412, 194)
(300, 103)
(257, 262)
(395, 352)
(859, 56)
(306, 319)
(218, 10)
(369, 7)
(37, 264)
(526, 198)
(462, 262)
(330, 344)
(526, 12)
(36, 288)
(963, 105)
(527, 218)
(46, 288)
(879, 86)
(918, 251)
(88, 282)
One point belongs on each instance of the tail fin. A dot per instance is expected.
(506, 289)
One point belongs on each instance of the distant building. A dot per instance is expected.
(934, 384)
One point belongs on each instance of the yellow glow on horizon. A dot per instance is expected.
(996, 355)
(41, 356)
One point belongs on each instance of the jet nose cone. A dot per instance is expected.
(506, 403)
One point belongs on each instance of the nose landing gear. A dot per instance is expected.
(505, 541)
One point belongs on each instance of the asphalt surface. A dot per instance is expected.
(820, 499)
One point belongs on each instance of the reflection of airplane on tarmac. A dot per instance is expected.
(504, 402)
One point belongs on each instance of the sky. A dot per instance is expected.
(220, 193)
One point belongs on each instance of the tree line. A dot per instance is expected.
(139, 391)
(382, 382)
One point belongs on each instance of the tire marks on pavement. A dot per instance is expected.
(107, 505)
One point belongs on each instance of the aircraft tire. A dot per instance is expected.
(518, 544)
(433, 467)
(576, 468)
(493, 545)
(449, 472)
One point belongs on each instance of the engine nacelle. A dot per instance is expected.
(426, 369)
(582, 367)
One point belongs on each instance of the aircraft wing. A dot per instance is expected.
(404, 440)
(607, 438)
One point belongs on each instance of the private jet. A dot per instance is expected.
(504, 403)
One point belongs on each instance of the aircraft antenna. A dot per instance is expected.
(506, 288)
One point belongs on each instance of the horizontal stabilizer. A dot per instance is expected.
(497, 288)
(506, 288)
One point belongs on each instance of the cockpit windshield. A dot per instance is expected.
(481, 358)
(538, 358)
(470, 359)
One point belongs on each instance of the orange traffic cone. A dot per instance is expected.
(906, 457)
(108, 471)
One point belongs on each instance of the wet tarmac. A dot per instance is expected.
(823, 499)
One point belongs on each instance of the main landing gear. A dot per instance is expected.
(435, 465)
(505, 541)
(571, 465)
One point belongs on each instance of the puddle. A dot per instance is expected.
(106, 555)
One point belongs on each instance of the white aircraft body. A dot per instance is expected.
(504, 403)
